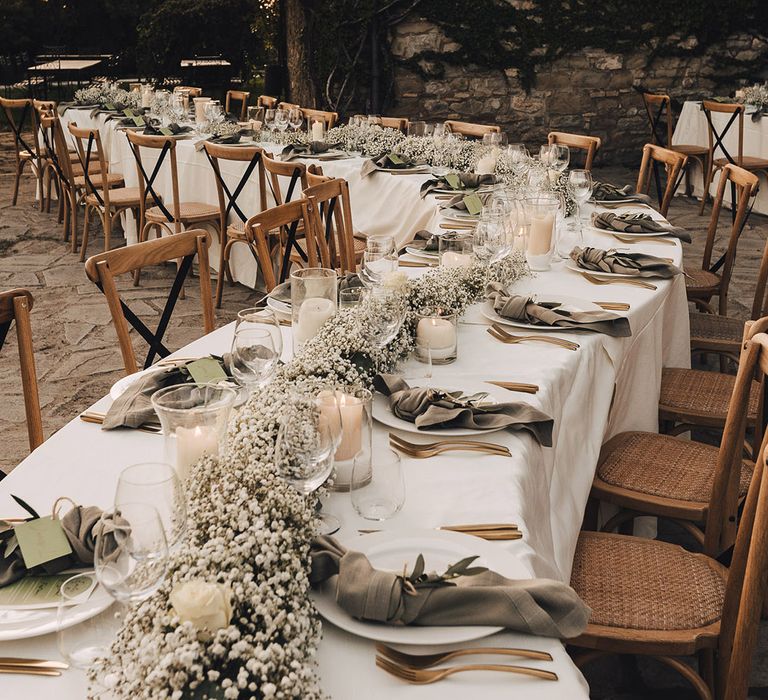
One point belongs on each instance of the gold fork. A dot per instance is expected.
(427, 660)
(516, 386)
(624, 205)
(468, 227)
(500, 334)
(652, 239)
(613, 305)
(412, 263)
(446, 443)
(622, 280)
(421, 453)
(423, 676)
(32, 663)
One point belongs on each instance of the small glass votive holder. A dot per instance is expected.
(314, 299)
(540, 217)
(378, 485)
(355, 406)
(194, 420)
(351, 297)
(455, 249)
(437, 335)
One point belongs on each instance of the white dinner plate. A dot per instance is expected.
(571, 265)
(460, 214)
(431, 255)
(21, 624)
(391, 550)
(119, 387)
(279, 306)
(645, 234)
(624, 200)
(566, 304)
(383, 413)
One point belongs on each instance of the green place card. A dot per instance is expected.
(109, 107)
(139, 121)
(395, 159)
(165, 131)
(42, 540)
(453, 181)
(206, 370)
(473, 203)
(42, 591)
(129, 113)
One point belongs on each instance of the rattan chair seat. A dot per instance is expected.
(114, 180)
(747, 162)
(119, 197)
(641, 584)
(662, 466)
(699, 281)
(701, 397)
(188, 212)
(689, 149)
(715, 330)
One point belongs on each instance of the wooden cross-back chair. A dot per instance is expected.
(315, 175)
(580, 142)
(20, 115)
(334, 232)
(234, 232)
(674, 164)
(104, 267)
(716, 138)
(266, 102)
(15, 305)
(191, 91)
(287, 106)
(659, 600)
(328, 118)
(240, 96)
(660, 118)
(273, 235)
(295, 173)
(475, 131)
(104, 191)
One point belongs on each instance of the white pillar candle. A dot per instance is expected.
(486, 165)
(451, 259)
(437, 334)
(350, 409)
(317, 131)
(540, 235)
(192, 444)
(200, 108)
(313, 313)
(146, 97)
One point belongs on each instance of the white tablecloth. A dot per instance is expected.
(692, 129)
(544, 490)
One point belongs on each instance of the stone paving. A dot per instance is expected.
(78, 357)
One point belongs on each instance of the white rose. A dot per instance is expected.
(206, 605)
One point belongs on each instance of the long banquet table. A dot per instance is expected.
(608, 385)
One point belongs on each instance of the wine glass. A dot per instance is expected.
(417, 128)
(518, 158)
(253, 358)
(495, 139)
(295, 119)
(177, 108)
(263, 318)
(281, 120)
(581, 185)
(491, 240)
(131, 552)
(269, 118)
(156, 484)
(548, 155)
(379, 260)
(382, 315)
(562, 156)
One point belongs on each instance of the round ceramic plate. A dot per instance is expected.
(421, 253)
(119, 387)
(566, 304)
(571, 265)
(20, 624)
(646, 234)
(391, 550)
(277, 305)
(383, 413)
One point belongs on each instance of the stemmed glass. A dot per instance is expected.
(492, 239)
(269, 118)
(379, 259)
(262, 318)
(581, 185)
(561, 157)
(495, 139)
(253, 358)
(518, 158)
(214, 113)
(295, 119)
(177, 108)
(131, 553)
(382, 315)
(281, 120)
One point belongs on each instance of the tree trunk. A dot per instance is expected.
(301, 84)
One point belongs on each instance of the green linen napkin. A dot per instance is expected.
(298, 150)
(637, 223)
(458, 182)
(388, 161)
(476, 596)
(636, 264)
(438, 409)
(527, 310)
(606, 192)
(175, 129)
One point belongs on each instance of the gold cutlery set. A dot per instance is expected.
(98, 419)
(31, 667)
(493, 532)
(622, 280)
(516, 386)
(430, 449)
(505, 337)
(418, 669)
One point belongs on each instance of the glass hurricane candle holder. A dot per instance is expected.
(314, 299)
(316, 130)
(540, 215)
(437, 335)
(194, 420)
(455, 249)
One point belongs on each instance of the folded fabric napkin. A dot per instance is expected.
(388, 161)
(637, 223)
(175, 129)
(426, 240)
(229, 139)
(638, 264)
(606, 192)
(475, 596)
(457, 181)
(81, 526)
(435, 408)
(297, 150)
(526, 310)
(133, 407)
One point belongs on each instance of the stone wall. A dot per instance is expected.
(590, 92)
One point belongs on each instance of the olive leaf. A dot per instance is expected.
(418, 577)
(25, 506)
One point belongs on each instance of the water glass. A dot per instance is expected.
(253, 358)
(379, 260)
(417, 128)
(131, 552)
(351, 297)
(84, 643)
(378, 485)
(156, 484)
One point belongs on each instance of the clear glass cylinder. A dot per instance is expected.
(540, 217)
(314, 300)
(455, 249)
(437, 335)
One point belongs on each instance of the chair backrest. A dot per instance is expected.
(167, 148)
(57, 149)
(16, 304)
(746, 585)
(285, 221)
(104, 267)
(295, 172)
(252, 156)
(90, 150)
(288, 105)
(581, 142)
(744, 186)
(328, 118)
(659, 111)
(266, 102)
(475, 131)
(315, 175)
(189, 90)
(673, 163)
(334, 232)
(716, 136)
(21, 117)
(237, 96)
(400, 123)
